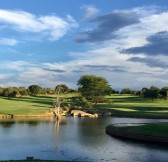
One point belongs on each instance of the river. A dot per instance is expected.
(80, 139)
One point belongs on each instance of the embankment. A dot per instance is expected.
(123, 132)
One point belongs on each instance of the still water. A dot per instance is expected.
(80, 139)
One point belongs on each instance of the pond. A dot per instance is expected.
(80, 139)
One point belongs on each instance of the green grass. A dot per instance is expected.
(131, 105)
(149, 129)
(121, 105)
(25, 105)
(28, 105)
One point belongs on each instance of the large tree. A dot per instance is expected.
(61, 88)
(151, 93)
(10, 92)
(93, 87)
(22, 91)
(34, 90)
(127, 91)
(164, 92)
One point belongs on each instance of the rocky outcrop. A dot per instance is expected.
(80, 113)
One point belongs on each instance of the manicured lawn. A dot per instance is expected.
(149, 129)
(29, 105)
(25, 105)
(135, 106)
(121, 105)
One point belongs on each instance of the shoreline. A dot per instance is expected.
(111, 130)
(11, 116)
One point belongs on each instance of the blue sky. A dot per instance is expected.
(48, 42)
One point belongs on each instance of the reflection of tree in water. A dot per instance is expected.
(30, 122)
(33, 123)
(7, 124)
(57, 123)
(59, 134)
(91, 131)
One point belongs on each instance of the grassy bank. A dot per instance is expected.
(151, 132)
(118, 105)
(149, 129)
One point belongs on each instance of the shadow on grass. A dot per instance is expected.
(37, 100)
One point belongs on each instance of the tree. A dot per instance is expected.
(22, 91)
(34, 90)
(1, 91)
(126, 91)
(62, 88)
(93, 88)
(49, 91)
(59, 89)
(151, 93)
(154, 92)
(164, 92)
(9, 92)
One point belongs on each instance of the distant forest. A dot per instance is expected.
(86, 85)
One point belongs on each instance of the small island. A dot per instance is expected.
(150, 132)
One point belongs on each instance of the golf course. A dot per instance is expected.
(118, 105)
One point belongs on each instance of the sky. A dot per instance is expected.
(51, 42)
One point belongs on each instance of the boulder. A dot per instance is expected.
(80, 113)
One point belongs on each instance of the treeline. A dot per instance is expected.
(149, 93)
(32, 90)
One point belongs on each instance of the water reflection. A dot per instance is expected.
(90, 132)
(56, 125)
(6, 124)
(82, 139)
(31, 122)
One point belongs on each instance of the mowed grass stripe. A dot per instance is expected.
(118, 104)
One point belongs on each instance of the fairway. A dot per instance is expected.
(118, 105)
(131, 105)
(25, 105)
(29, 105)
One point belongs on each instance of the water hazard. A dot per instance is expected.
(80, 139)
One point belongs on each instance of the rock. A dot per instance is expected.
(80, 113)
(95, 115)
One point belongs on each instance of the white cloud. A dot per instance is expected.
(15, 65)
(150, 23)
(108, 53)
(52, 26)
(90, 12)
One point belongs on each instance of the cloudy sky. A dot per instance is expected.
(48, 42)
